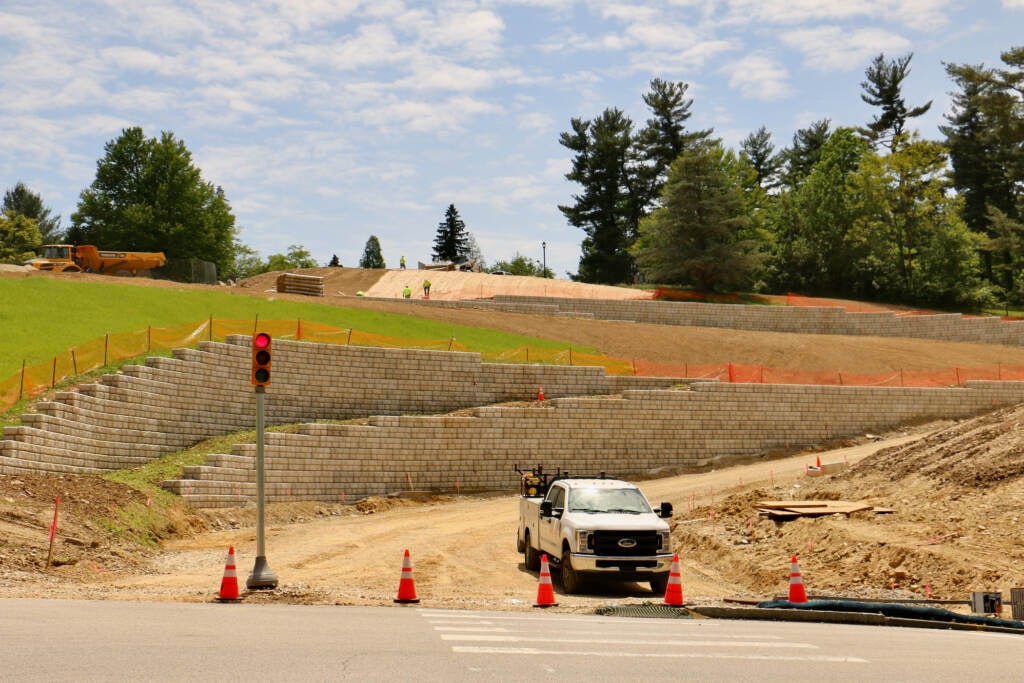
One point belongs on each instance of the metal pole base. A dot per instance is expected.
(262, 576)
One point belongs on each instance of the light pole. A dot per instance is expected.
(544, 256)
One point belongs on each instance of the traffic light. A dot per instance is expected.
(260, 359)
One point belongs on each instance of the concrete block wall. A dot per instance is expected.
(171, 403)
(641, 431)
(801, 320)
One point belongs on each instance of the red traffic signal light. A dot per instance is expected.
(261, 359)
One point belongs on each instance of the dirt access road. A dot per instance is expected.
(462, 548)
(957, 492)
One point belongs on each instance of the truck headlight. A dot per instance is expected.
(664, 540)
(583, 542)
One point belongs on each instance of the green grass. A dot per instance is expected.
(42, 317)
(147, 524)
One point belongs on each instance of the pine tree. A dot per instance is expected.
(883, 88)
(372, 257)
(334, 262)
(21, 200)
(698, 236)
(758, 150)
(664, 136)
(609, 208)
(799, 159)
(451, 243)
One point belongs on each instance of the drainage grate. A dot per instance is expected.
(646, 611)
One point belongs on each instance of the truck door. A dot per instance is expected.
(550, 528)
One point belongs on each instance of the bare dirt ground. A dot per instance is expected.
(956, 490)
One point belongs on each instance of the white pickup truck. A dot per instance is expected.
(594, 526)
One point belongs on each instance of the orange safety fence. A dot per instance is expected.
(33, 380)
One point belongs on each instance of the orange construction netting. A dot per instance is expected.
(32, 380)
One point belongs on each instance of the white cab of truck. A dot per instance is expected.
(595, 527)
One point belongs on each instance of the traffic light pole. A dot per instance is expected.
(262, 576)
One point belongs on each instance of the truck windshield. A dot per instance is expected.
(56, 252)
(629, 501)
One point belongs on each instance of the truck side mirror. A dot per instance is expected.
(665, 510)
(545, 508)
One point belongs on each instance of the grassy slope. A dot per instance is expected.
(41, 317)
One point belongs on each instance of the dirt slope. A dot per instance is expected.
(956, 489)
(950, 531)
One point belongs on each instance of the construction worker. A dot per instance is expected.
(401, 263)
(426, 289)
(407, 293)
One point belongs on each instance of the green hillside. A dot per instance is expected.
(41, 317)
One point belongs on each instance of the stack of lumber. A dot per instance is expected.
(791, 509)
(292, 283)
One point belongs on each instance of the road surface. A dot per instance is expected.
(102, 641)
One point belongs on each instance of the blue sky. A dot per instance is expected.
(326, 121)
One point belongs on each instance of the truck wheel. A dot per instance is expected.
(531, 555)
(659, 582)
(569, 576)
(520, 546)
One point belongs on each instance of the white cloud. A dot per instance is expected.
(1013, 4)
(537, 123)
(915, 14)
(835, 48)
(759, 76)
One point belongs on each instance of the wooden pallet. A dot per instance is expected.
(292, 283)
(791, 509)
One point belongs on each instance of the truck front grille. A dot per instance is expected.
(619, 543)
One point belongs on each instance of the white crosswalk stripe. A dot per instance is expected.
(586, 636)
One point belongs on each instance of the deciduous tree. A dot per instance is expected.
(149, 196)
(19, 237)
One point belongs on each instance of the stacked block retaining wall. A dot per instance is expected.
(643, 431)
(799, 320)
(171, 403)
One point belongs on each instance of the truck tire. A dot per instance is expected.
(659, 582)
(569, 576)
(531, 556)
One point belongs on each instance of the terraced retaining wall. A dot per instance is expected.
(171, 403)
(643, 431)
(800, 320)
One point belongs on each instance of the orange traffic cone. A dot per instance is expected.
(817, 462)
(545, 591)
(540, 393)
(674, 590)
(797, 593)
(229, 584)
(407, 587)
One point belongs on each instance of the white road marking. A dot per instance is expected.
(661, 642)
(464, 649)
(474, 629)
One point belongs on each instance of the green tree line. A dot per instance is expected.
(147, 195)
(874, 211)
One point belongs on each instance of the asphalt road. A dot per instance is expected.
(105, 641)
